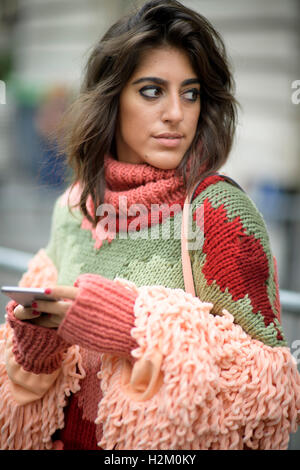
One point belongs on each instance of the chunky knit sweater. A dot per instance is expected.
(233, 269)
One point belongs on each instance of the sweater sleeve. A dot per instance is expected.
(101, 317)
(235, 268)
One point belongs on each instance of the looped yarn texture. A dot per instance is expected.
(220, 388)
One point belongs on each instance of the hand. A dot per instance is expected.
(55, 310)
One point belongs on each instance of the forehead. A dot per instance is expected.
(165, 62)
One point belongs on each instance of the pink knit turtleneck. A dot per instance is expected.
(135, 190)
(141, 183)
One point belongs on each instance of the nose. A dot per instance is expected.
(173, 110)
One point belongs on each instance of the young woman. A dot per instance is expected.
(125, 358)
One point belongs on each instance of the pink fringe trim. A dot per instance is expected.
(221, 389)
(29, 427)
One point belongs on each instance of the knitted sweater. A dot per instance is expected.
(233, 270)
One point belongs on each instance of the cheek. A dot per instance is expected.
(134, 120)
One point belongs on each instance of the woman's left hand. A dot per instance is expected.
(55, 310)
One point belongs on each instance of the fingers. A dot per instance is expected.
(22, 313)
(62, 292)
(49, 313)
(47, 321)
(55, 308)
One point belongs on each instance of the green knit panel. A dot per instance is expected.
(145, 260)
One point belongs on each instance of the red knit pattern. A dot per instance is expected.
(277, 298)
(236, 261)
(208, 181)
(79, 433)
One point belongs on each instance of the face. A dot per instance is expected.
(159, 110)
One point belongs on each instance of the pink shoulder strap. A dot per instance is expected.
(185, 257)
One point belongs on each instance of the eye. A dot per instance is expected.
(150, 91)
(192, 95)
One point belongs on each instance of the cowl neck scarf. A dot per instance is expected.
(136, 196)
(141, 184)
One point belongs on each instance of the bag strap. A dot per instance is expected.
(185, 257)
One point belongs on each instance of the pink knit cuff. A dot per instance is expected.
(36, 349)
(101, 317)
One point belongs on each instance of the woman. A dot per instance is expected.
(156, 115)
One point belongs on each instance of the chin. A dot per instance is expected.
(163, 162)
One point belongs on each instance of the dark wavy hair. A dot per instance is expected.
(88, 127)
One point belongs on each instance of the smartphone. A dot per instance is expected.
(26, 295)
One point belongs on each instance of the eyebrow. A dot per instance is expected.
(160, 81)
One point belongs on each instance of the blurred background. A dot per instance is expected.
(44, 45)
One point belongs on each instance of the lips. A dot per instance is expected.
(168, 139)
(169, 135)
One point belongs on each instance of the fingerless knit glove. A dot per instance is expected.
(36, 348)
